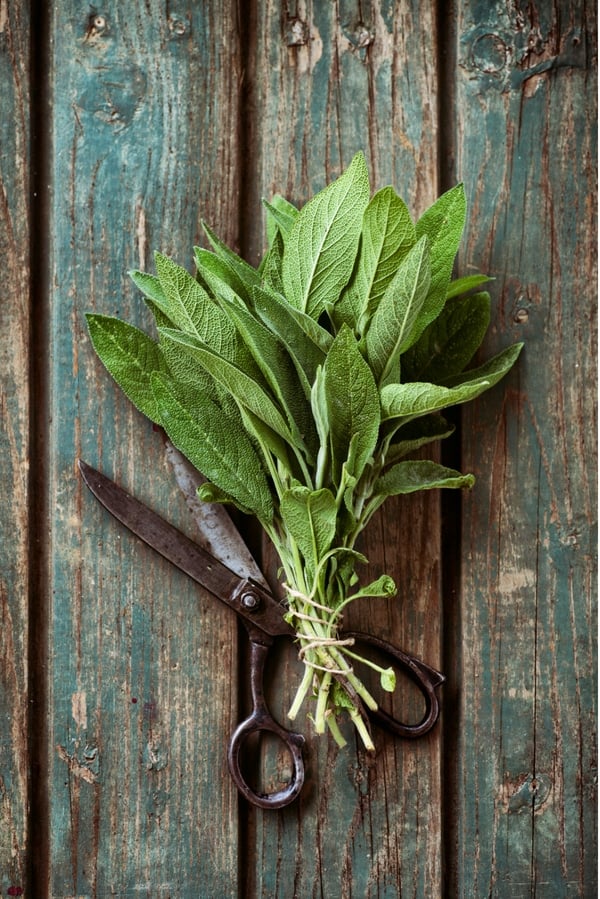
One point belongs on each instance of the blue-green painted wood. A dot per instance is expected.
(14, 443)
(148, 105)
(142, 666)
(526, 149)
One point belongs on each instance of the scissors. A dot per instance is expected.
(227, 570)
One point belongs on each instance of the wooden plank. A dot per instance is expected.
(14, 444)
(143, 686)
(526, 150)
(325, 81)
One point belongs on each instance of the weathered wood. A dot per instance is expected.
(525, 139)
(327, 80)
(14, 443)
(144, 100)
(160, 114)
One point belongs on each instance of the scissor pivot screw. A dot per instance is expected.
(250, 601)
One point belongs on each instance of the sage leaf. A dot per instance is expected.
(184, 368)
(391, 329)
(310, 517)
(245, 272)
(270, 267)
(321, 247)
(217, 274)
(408, 477)
(243, 388)
(410, 437)
(387, 678)
(352, 403)
(492, 370)
(465, 284)
(280, 219)
(449, 343)
(274, 362)
(214, 445)
(387, 235)
(383, 586)
(305, 340)
(130, 357)
(406, 401)
(443, 225)
(151, 288)
(188, 305)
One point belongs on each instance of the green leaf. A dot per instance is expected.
(184, 368)
(280, 219)
(246, 273)
(266, 438)
(305, 340)
(130, 357)
(383, 586)
(406, 401)
(220, 277)
(152, 290)
(465, 284)
(319, 408)
(214, 445)
(408, 477)
(274, 362)
(321, 247)
(449, 343)
(388, 680)
(270, 267)
(188, 305)
(310, 517)
(210, 493)
(417, 433)
(352, 403)
(387, 235)
(492, 370)
(243, 388)
(392, 326)
(443, 225)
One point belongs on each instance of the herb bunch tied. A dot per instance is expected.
(299, 388)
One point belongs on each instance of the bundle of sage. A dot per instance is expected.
(299, 388)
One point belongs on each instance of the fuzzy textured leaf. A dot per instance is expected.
(408, 477)
(352, 402)
(386, 237)
(214, 445)
(310, 516)
(243, 388)
(130, 356)
(443, 225)
(321, 247)
(392, 326)
(449, 343)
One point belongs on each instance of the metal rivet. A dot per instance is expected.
(250, 601)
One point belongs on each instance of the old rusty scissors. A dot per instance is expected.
(241, 586)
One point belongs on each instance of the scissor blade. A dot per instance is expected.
(217, 532)
(266, 613)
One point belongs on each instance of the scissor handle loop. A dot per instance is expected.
(426, 678)
(294, 743)
(260, 719)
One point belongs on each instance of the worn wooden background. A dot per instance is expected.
(125, 123)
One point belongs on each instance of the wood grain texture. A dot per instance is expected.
(14, 443)
(144, 104)
(526, 747)
(327, 80)
(161, 114)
